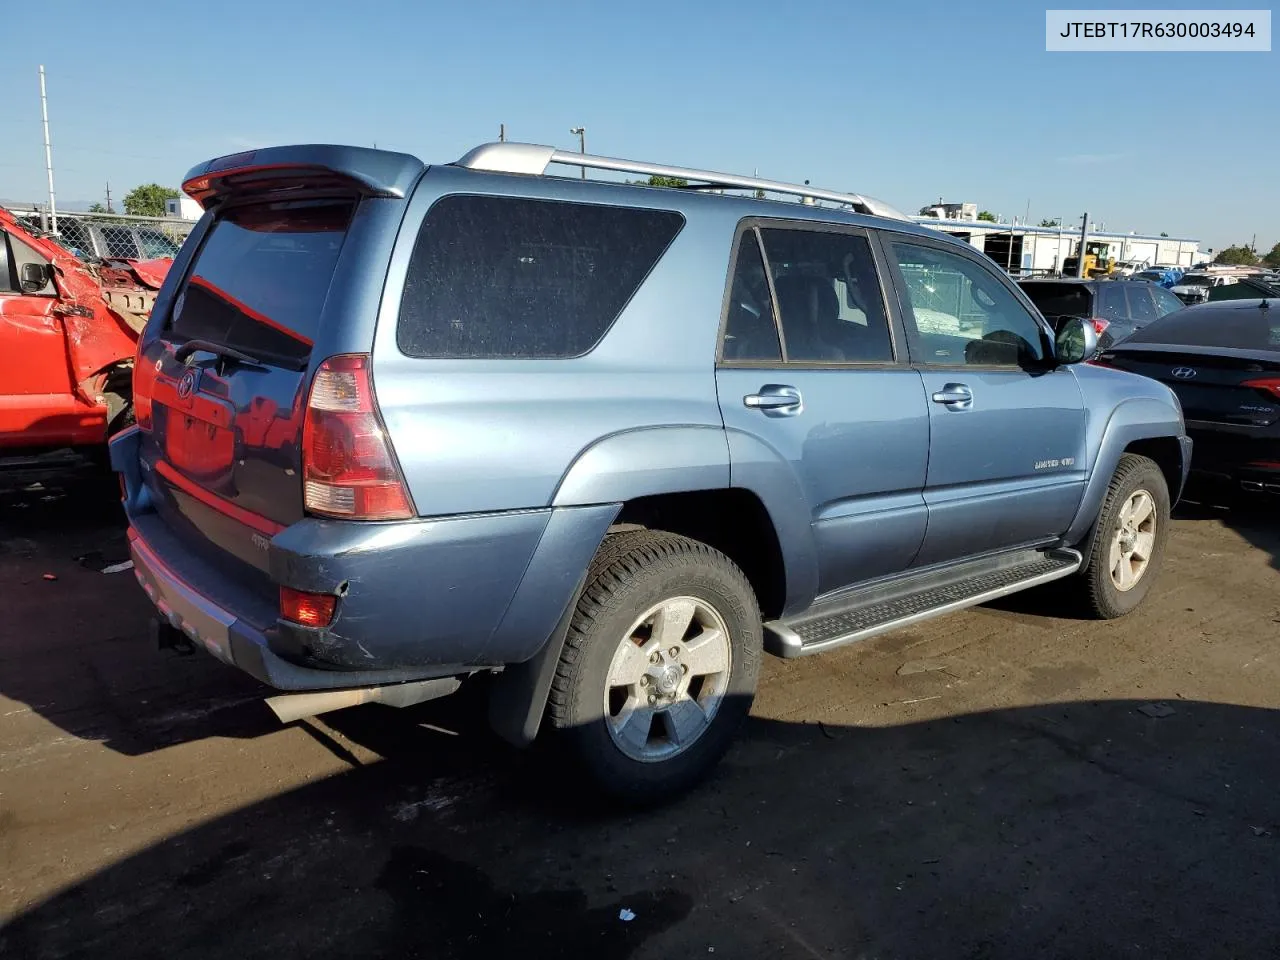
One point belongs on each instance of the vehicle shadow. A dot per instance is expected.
(75, 645)
(1071, 830)
(1257, 521)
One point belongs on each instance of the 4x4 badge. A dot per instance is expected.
(1184, 373)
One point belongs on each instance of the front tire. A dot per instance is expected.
(659, 667)
(1128, 547)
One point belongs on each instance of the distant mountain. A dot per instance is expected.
(69, 206)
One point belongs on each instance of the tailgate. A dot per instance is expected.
(228, 373)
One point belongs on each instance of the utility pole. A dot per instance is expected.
(48, 152)
(1084, 239)
(108, 196)
(502, 133)
(581, 134)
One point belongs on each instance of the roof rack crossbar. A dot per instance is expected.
(508, 157)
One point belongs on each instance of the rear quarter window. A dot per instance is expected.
(495, 277)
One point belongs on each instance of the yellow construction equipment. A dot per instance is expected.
(1098, 261)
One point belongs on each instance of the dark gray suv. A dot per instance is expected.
(1116, 308)
(401, 425)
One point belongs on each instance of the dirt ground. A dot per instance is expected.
(999, 783)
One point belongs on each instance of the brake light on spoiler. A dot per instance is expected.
(348, 469)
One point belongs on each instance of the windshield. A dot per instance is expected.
(1194, 280)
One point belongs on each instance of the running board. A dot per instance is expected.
(871, 611)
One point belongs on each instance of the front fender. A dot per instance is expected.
(1139, 418)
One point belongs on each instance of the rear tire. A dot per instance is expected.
(1128, 547)
(659, 667)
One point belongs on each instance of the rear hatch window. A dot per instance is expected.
(261, 277)
(509, 277)
(1060, 299)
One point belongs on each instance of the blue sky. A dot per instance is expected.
(904, 101)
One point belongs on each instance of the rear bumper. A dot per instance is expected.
(419, 599)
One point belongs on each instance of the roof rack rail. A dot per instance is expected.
(530, 158)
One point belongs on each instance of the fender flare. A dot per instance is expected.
(1138, 418)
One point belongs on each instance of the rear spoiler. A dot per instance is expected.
(377, 173)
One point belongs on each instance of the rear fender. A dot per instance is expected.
(645, 462)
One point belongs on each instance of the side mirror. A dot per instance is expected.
(34, 277)
(1076, 342)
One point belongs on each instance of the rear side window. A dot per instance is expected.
(507, 277)
(260, 278)
(1111, 303)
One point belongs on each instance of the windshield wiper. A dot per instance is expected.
(217, 349)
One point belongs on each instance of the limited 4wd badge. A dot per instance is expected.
(1051, 464)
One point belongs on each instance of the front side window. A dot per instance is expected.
(21, 253)
(1166, 302)
(8, 280)
(829, 298)
(505, 277)
(959, 313)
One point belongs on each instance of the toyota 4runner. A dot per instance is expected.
(399, 425)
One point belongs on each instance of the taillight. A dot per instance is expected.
(308, 609)
(144, 378)
(1270, 384)
(1100, 325)
(347, 466)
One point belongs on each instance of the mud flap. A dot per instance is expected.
(518, 697)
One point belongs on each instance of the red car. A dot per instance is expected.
(68, 334)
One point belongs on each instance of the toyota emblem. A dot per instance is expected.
(1184, 373)
(187, 385)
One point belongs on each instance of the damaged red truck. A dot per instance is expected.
(68, 334)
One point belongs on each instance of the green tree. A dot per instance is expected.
(97, 208)
(148, 200)
(1240, 256)
(1047, 223)
(1163, 234)
(988, 216)
(1272, 259)
(657, 181)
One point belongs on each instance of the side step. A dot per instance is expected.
(876, 609)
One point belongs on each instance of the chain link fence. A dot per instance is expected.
(104, 236)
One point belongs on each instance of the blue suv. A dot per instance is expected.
(605, 444)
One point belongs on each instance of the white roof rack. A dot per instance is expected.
(529, 158)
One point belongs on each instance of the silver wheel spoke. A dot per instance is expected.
(706, 653)
(634, 724)
(1143, 545)
(685, 720)
(1126, 572)
(1116, 558)
(1142, 508)
(672, 622)
(630, 663)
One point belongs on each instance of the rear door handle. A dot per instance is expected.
(955, 395)
(775, 400)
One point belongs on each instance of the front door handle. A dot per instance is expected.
(775, 400)
(955, 395)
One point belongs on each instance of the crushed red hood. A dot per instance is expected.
(148, 273)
